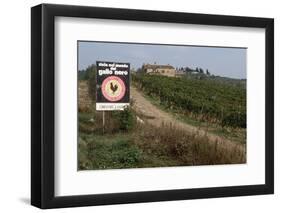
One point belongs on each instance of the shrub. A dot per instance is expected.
(107, 152)
(126, 118)
(234, 120)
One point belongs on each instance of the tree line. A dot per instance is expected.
(196, 70)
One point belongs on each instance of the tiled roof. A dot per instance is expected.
(155, 66)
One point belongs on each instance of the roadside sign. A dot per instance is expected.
(113, 85)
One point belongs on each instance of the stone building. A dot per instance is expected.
(157, 69)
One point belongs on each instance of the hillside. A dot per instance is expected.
(151, 114)
(204, 100)
(144, 135)
(176, 121)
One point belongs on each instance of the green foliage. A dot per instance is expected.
(152, 146)
(126, 118)
(234, 119)
(115, 121)
(210, 101)
(105, 152)
(145, 146)
(87, 73)
(90, 75)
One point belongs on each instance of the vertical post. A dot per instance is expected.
(103, 122)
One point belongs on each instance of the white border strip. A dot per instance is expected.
(70, 182)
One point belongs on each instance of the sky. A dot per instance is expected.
(222, 61)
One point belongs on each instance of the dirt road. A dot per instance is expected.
(155, 116)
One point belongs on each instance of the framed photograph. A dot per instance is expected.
(139, 106)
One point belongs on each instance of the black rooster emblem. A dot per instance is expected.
(113, 88)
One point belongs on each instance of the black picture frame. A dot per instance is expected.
(43, 102)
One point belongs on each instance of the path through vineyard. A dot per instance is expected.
(155, 116)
